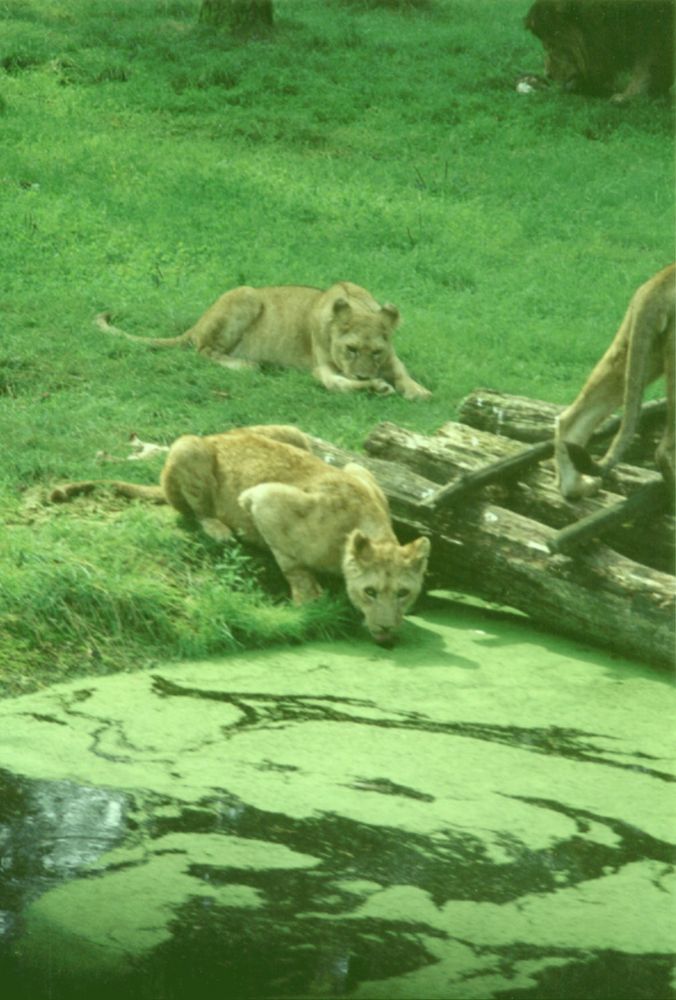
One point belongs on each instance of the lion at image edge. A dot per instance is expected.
(641, 351)
(265, 485)
(589, 43)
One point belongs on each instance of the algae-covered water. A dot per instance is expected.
(483, 811)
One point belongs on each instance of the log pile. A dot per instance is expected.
(496, 540)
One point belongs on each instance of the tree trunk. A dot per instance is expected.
(237, 15)
(600, 597)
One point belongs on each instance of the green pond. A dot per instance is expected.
(484, 811)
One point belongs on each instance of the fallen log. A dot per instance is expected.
(460, 451)
(601, 598)
(532, 420)
(517, 417)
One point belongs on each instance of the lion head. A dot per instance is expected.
(567, 56)
(383, 579)
(360, 343)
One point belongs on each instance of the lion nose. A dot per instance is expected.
(384, 635)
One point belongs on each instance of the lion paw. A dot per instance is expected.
(382, 388)
(585, 486)
(216, 530)
(304, 587)
(416, 391)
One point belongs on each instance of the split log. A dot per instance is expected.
(601, 597)
(515, 417)
(462, 450)
(532, 420)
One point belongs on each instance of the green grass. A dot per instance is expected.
(148, 164)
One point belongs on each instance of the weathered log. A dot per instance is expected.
(461, 450)
(600, 597)
(533, 420)
(515, 417)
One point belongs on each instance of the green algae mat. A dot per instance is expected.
(484, 811)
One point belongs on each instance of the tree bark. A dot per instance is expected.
(237, 15)
(457, 450)
(600, 597)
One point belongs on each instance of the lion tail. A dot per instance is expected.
(103, 323)
(132, 491)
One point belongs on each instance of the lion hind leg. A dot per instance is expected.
(225, 361)
(191, 486)
(218, 332)
(644, 363)
(665, 456)
(282, 515)
(599, 397)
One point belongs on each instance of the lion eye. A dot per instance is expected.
(351, 352)
(370, 591)
(376, 354)
(403, 592)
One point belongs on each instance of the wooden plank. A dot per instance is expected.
(644, 504)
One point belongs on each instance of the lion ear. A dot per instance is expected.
(391, 314)
(342, 310)
(359, 547)
(417, 553)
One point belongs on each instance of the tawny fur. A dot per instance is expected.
(264, 485)
(641, 351)
(342, 335)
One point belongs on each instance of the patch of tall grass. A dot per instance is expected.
(94, 589)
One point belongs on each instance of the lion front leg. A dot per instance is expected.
(665, 456)
(284, 517)
(335, 382)
(639, 82)
(404, 384)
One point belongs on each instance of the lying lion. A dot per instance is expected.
(589, 43)
(342, 335)
(642, 350)
(264, 484)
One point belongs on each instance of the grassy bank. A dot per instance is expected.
(148, 164)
